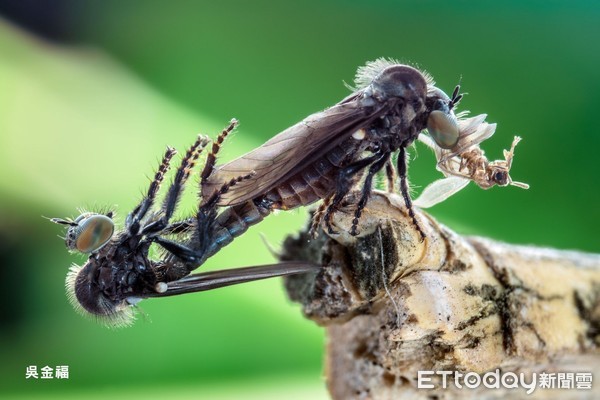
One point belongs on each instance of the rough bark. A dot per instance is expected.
(394, 305)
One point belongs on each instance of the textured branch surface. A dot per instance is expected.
(394, 305)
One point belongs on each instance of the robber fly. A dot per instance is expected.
(466, 162)
(119, 272)
(324, 155)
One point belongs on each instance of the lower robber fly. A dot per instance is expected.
(324, 155)
(119, 272)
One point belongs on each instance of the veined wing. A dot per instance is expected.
(440, 190)
(294, 148)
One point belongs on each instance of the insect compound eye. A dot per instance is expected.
(443, 128)
(91, 233)
(501, 178)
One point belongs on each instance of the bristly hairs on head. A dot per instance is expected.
(365, 74)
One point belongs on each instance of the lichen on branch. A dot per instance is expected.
(394, 304)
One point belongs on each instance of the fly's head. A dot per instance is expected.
(499, 175)
(99, 289)
(89, 232)
(442, 123)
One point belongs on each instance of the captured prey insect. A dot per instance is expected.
(119, 272)
(466, 162)
(327, 153)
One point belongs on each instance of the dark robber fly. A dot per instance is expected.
(324, 155)
(119, 272)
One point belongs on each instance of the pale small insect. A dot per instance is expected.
(466, 161)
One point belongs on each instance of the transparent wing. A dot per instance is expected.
(473, 131)
(440, 190)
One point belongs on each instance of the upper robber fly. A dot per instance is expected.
(324, 155)
(119, 272)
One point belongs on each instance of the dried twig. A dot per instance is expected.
(394, 305)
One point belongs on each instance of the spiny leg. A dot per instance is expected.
(183, 173)
(366, 190)
(181, 176)
(186, 225)
(390, 173)
(194, 253)
(404, 190)
(138, 213)
(211, 159)
(343, 185)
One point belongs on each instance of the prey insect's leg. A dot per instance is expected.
(390, 173)
(211, 159)
(366, 190)
(183, 172)
(344, 184)
(404, 190)
(133, 219)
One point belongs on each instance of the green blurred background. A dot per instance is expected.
(86, 114)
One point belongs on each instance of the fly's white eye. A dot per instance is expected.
(443, 128)
(91, 233)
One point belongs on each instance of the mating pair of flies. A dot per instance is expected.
(320, 158)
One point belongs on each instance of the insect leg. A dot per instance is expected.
(211, 159)
(133, 219)
(344, 184)
(205, 240)
(318, 216)
(182, 175)
(366, 190)
(404, 190)
(213, 232)
(183, 172)
(390, 173)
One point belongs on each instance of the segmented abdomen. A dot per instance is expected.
(233, 222)
(315, 182)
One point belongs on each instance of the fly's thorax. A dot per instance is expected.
(400, 81)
